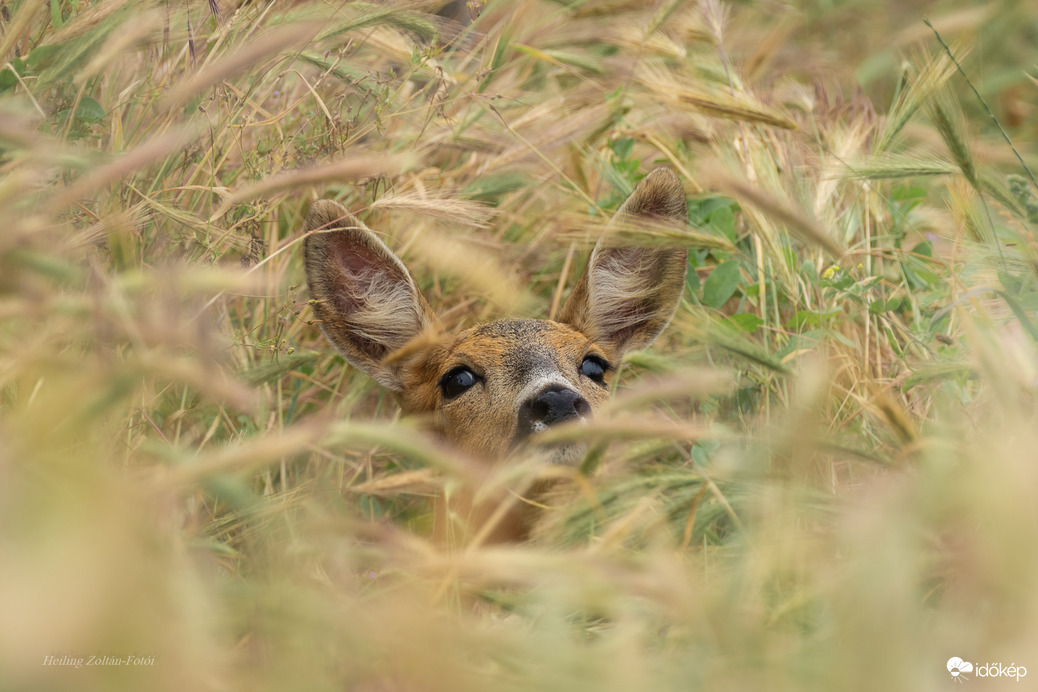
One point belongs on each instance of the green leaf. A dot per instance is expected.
(746, 321)
(918, 277)
(810, 272)
(43, 56)
(700, 209)
(723, 219)
(90, 110)
(812, 318)
(908, 192)
(924, 248)
(9, 79)
(692, 278)
(804, 318)
(622, 147)
(489, 188)
(880, 306)
(721, 284)
(839, 279)
(892, 340)
(702, 451)
(55, 15)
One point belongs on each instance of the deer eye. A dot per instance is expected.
(594, 368)
(457, 382)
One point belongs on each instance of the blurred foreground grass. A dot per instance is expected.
(821, 477)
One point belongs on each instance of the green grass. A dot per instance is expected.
(820, 477)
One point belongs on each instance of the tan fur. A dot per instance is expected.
(529, 374)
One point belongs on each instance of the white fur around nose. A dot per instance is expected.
(541, 426)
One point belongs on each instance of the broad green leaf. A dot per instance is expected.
(721, 284)
(90, 110)
(723, 220)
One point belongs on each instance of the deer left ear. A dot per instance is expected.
(366, 300)
(627, 295)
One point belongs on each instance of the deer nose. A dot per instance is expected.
(551, 406)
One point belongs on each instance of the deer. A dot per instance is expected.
(494, 388)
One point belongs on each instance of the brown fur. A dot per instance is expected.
(529, 374)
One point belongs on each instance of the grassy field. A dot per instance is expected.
(821, 477)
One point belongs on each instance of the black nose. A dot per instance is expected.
(553, 405)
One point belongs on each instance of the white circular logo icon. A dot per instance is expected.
(956, 666)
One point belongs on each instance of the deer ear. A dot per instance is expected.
(366, 300)
(627, 295)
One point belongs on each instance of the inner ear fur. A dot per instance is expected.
(366, 300)
(627, 295)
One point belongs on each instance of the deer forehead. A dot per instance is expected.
(510, 354)
(516, 352)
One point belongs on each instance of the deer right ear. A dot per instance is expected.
(365, 299)
(627, 295)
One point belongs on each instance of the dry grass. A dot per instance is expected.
(821, 477)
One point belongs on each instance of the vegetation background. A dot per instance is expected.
(821, 477)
